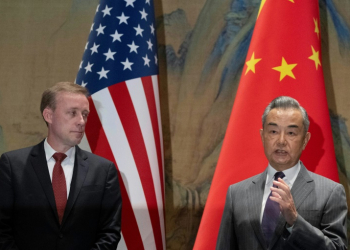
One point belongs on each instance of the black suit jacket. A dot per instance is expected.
(28, 215)
(320, 225)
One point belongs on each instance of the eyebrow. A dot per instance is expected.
(76, 108)
(272, 124)
(289, 126)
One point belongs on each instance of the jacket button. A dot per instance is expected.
(61, 236)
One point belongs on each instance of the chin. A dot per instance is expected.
(78, 139)
(77, 142)
(74, 142)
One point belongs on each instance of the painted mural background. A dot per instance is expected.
(202, 46)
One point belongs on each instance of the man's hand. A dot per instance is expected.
(284, 198)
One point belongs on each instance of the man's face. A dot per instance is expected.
(284, 137)
(67, 122)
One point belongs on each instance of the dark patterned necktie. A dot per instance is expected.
(271, 214)
(59, 185)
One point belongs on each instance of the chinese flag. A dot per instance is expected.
(284, 58)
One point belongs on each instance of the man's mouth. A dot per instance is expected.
(78, 132)
(280, 152)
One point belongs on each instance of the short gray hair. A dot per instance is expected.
(286, 102)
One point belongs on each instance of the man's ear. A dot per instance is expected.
(261, 135)
(306, 139)
(47, 114)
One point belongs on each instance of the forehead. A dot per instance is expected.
(65, 99)
(289, 116)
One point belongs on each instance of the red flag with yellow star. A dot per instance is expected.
(284, 58)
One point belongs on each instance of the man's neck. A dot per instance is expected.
(57, 147)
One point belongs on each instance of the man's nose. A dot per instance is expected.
(282, 139)
(82, 120)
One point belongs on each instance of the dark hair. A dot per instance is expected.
(286, 102)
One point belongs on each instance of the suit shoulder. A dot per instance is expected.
(18, 152)
(96, 158)
(245, 183)
(323, 181)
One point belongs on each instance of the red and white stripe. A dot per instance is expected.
(124, 126)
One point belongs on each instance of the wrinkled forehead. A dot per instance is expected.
(285, 116)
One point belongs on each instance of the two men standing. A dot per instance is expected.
(56, 196)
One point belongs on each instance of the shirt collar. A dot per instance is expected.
(290, 174)
(49, 152)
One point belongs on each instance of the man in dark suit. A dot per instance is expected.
(286, 206)
(55, 195)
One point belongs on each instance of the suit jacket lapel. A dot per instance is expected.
(255, 194)
(300, 190)
(301, 187)
(81, 168)
(39, 164)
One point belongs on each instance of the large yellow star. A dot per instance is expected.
(315, 57)
(251, 64)
(262, 5)
(285, 69)
(317, 31)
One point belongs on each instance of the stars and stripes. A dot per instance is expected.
(124, 33)
(119, 68)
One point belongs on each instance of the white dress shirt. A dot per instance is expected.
(67, 163)
(290, 176)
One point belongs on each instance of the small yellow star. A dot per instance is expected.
(291, 1)
(315, 57)
(251, 64)
(317, 31)
(285, 69)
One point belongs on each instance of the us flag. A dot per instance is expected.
(120, 70)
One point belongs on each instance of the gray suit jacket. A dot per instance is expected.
(321, 222)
